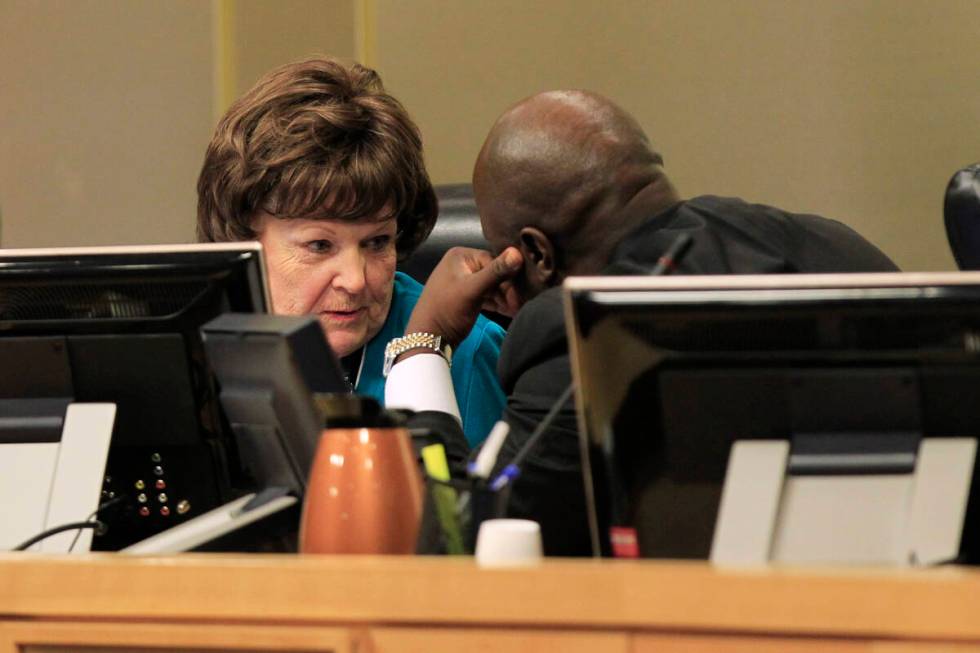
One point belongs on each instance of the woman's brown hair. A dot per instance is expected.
(316, 139)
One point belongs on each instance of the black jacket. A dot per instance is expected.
(729, 237)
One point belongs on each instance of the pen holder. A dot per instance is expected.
(452, 512)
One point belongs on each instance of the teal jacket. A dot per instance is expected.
(474, 368)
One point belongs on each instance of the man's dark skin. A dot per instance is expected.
(568, 184)
(561, 178)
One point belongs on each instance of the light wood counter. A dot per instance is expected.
(396, 604)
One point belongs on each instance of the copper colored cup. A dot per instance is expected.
(364, 493)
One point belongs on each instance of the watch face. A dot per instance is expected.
(398, 346)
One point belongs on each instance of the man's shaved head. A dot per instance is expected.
(573, 165)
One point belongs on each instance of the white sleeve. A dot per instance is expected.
(422, 382)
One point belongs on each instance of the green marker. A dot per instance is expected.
(443, 496)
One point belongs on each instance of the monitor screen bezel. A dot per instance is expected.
(685, 290)
(680, 292)
(240, 263)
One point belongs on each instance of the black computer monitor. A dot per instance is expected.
(122, 325)
(268, 367)
(853, 370)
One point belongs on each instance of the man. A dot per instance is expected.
(568, 184)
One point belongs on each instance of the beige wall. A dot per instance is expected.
(859, 110)
(856, 109)
(105, 106)
(268, 34)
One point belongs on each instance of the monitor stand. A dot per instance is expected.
(216, 523)
(52, 460)
(769, 514)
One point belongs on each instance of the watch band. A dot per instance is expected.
(410, 341)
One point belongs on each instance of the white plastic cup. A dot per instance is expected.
(508, 543)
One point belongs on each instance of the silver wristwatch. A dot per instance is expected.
(409, 341)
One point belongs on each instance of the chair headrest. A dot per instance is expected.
(458, 224)
(961, 213)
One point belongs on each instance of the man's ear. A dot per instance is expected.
(539, 255)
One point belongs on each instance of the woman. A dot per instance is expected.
(325, 169)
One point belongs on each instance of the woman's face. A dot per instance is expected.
(342, 272)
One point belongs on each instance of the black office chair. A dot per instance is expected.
(458, 224)
(961, 212)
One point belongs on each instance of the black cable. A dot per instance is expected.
(43, 535)
(91, 516)
(90, 522)
(666, 264)
(669, 260)
(513, 469)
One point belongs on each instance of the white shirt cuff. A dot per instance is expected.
(422, 382)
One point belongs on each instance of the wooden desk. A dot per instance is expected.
(401, 605)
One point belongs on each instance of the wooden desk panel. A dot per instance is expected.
(494, 640)
(43, 636)
(723, 644)
(405, 605)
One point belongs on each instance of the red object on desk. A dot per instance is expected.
(624, 542)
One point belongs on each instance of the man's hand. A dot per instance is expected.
(466, 281)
